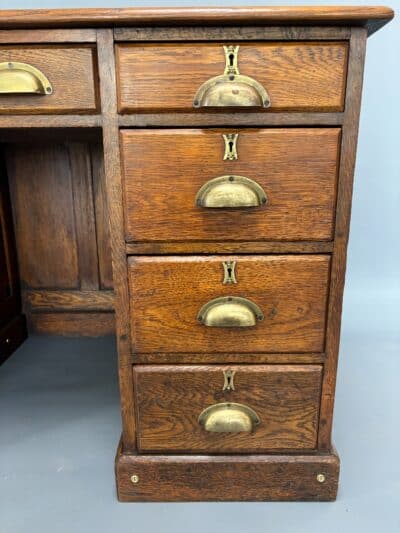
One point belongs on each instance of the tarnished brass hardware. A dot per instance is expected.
(229, 272)
(231, 192)
(230, 146)
(135, 479)
(231, 89)
(230, 312)
(228, 418)
(21, 78)
(228, 380)
(321, 478)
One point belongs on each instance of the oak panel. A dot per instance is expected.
(73, 324)
(170, 400)
(71, 71)
(43, 201)
(166, 294)
(297, 168)
(298, 76)
(176, 478)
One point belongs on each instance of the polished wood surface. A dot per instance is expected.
(71, 70)
(297, 76)
(175, 478)
(296, 167)
(170, 400)
(371, 17)
(168, 292)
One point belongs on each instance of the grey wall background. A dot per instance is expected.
(59, 420)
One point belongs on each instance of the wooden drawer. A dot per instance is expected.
(168, 293)
(297, 76)
(283, 402)
(71, 71)
(295, 167)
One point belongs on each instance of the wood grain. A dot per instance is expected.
(41, 187)
(371, 17)
(237, 33)
(42, 300)
(170, 400)
(225, 247)
(71, 71)
(112, 172)
(297, 76)
(47, 36)
(345, 191)
(178, 478)
(166, 293)
(223, 119)
(296, 167)
(72, 324)
(227, 358)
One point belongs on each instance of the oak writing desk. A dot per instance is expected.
(212, 151)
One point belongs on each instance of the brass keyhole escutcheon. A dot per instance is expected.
(230, 146)
(228, 380)
(229, 272)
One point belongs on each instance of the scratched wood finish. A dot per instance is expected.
(166, 294)
(170, 400)
(71, 71)
(370, 17)
(178, 478)
(297, 76)
(296, 167)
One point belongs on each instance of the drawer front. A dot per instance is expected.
(47, 79)
(283, 309)
(296, 76)
(216, 409)
(295, 168)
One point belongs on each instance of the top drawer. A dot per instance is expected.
(47, 79)
(292, 76)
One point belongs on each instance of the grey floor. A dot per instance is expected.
(59, 427)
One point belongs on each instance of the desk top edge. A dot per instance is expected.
(370, 17)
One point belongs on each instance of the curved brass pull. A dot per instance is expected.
(21, 78)
(231, 89)
(228, 418)
(230, 312)
(231, 192)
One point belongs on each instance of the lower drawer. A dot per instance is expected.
(221, 409)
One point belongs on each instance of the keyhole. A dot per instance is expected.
(230, 273)
(231, 146)
(231, 58)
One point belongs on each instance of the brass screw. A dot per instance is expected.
(321, 478)
(135, 478)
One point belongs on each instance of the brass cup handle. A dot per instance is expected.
(230, 312)
(22, 78)
(231, 192)
(231, 89)
(228, 418)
